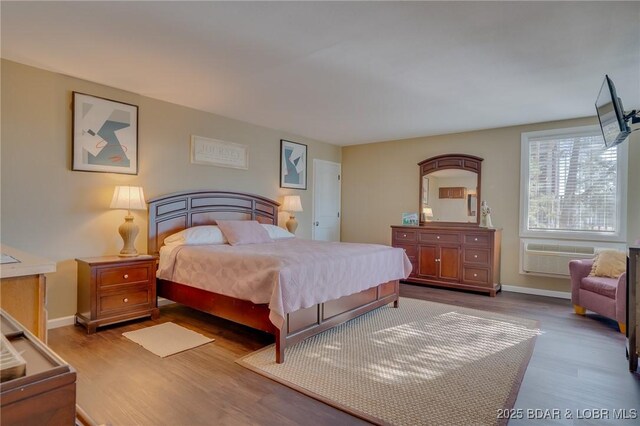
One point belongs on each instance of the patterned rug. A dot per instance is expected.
(424, 363)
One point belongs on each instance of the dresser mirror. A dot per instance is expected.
(450, 189)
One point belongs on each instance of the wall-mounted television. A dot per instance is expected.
(611, 114)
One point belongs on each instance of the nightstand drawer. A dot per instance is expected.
(124, 301)
(122, 275)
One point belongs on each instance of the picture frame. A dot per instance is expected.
(214, 152)
(293, 165)
(409, 218)
(105, 135)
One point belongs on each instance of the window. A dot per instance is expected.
(571, 186)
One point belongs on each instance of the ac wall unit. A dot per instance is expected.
(551, 258)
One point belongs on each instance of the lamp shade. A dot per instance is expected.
(292, 203)
(128, 198)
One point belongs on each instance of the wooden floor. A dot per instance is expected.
(578, 365)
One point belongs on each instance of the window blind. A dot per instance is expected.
(572, 184)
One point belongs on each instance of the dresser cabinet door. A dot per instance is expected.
(449, 262)
(427, 261)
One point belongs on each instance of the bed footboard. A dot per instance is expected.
(308, 322)
(298, 326)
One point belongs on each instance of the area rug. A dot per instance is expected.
(167, 339)
(424, 363)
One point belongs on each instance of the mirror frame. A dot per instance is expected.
(452, 161)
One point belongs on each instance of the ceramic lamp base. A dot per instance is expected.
(128, 231)
(292, 224)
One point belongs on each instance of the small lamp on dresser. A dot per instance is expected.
(128, 198)
(292, 204)
(427, 214)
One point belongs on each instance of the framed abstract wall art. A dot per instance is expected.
(105, 135)
(293, 165)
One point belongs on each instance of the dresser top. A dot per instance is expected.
(442, 227)
(22, 264)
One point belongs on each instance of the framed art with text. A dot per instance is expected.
(293, 165)
(105, 135)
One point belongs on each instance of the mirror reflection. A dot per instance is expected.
(449, 195)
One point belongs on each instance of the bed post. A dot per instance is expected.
(281, 342)
(396, 302)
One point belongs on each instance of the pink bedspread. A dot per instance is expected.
(287, 274)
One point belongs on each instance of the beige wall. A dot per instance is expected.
(381, 180)
(60, 214)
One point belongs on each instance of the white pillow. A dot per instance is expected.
(207, 234)
(277, 233)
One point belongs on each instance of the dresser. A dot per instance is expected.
(462, 257)
(112, 289)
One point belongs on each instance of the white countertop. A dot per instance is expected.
(28, 264)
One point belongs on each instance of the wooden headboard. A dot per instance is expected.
(174, 212)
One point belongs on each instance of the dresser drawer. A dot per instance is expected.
(477, 255)
(124, 300)
(123, 275)
(438, 237)
(477, 239)
(475, 275)
(408, 235)
(410, 250)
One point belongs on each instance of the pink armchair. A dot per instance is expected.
(602, 295)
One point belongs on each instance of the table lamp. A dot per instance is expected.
(427, 214)
(128, 198)
(292, 204)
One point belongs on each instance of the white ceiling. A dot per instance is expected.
(343, 73)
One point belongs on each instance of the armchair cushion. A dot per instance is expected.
(601, 285)
(609, 263)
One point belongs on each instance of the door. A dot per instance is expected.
(326, 200)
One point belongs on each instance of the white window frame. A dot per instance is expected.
(623, 154)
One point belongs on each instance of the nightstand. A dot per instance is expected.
(112, 289)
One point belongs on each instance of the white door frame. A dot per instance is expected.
(313, 198)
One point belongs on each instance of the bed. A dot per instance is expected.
(175, 212)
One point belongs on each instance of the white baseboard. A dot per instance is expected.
(64, 321)
(60, 322)
(537, 291)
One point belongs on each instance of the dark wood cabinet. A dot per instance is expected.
(465, 257)
(45, 392)
(113, 289)
(452, 192)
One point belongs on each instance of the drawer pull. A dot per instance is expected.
(438, 237)
(475, 239)
(475, 275)
(125, 300)
(475, 256)
(126, 276)
(404, 235)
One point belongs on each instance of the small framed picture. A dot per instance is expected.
(293, 165)
(105, 135)
(409, 218)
